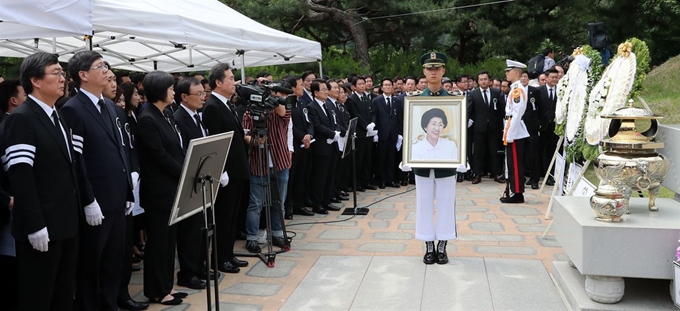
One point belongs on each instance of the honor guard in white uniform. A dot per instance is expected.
(434, 183)
(515, 131)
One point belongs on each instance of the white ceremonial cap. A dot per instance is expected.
(510, 64)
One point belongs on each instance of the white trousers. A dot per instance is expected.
(444, 190)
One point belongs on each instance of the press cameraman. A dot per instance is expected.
(266, 121)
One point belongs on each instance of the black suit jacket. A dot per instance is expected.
(547, 106)
(532, 113)
(302, 125)
(106, 158)
(47, 184)
(218, 119)
(362, 111)
(306, 99)
(324, 128)
(187, 125)
(388, 122)
(486, 117)
(338, 117)
(130, 132)
(161, 156)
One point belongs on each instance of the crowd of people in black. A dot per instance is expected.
(91, 164)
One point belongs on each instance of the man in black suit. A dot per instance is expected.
(303, 132)
(49, 188)
(387, 115)
(324, 150)
(359, 107)
(341, 126)
(307, 78)
(547, 101)
(485, 111)
(97, 133)
(533, 159)
(189, 239)
(219, 116)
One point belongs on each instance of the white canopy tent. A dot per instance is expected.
(18, 18)
(174, 36)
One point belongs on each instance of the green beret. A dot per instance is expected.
(433, 59)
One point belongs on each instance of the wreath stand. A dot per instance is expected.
(569, 193)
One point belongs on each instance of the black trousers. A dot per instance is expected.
(470, 148)
(100, 262)
(159, 256)
(323, 169)
(514, 154)
(297, 178)
(339, 167)
(534, 158)
(9, 277)
(189, 239)
(386, 157)
(363, 158)
(485, 147)
(227, 205)
(126, 274)
(548, 142)
(47, 280)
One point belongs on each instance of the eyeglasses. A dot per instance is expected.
(58, 73)
(201, 94)
(101, 68)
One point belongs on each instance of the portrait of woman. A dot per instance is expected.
(433, 146)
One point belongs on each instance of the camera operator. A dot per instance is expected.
(277, 162)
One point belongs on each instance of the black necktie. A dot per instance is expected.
(486, 99)
(389, 104)
(199, 123)
(105, 114)
(55, 118)
(551, 95)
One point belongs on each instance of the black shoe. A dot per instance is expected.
(361, 189)
(499, 179)
(240, 235)
(278, 241)
(442, 258)
(201, 275)
(252, 247)
(136, 268)
(469, 176)
(330, 207)
(335, 200)
(404, 183)
(382, 185)
(459, 177)
(343, 197)
(175, 301)
(133, 305)
(528, 182)
(344, 194)
(534, 185)
(320, 210)
(237, 262)
(180, 295)
(430, 253)
(371, 187)
(193, 283)
(516, 198)
(302, 211)
(228, 267)
(308, 203)
(392, 185)
(550, 182)
(288, 216)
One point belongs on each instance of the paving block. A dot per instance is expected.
(349, 223)
(387, 214)
(252, 289)
(384, 205)
(411, 216)
(341, 234)
(561, 257)
(239, 307)
(393, 236)
(461, 202)
(381, 247)
(490, 216)
(410, 206)
(391, 283)
(548, 241)
(526, 220)
(315, 246)
(466, 209)
(462, 217)
(519, 211)
(491, 237)
(282, 268)
(459, 285)
(532, 229)
(487, 226)
(407, 226)
(504, 250)
(380, 224)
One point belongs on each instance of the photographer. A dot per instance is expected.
(266, 124)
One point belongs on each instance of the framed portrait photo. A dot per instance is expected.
(435, 131)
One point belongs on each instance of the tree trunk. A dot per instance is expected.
(351, 21)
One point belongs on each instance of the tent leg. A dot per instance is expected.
(320, 69)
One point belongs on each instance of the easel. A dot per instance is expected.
(547, 174)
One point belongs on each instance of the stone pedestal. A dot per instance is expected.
(642, 246)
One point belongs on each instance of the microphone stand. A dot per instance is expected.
(355, 210)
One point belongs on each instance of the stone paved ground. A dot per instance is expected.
(486, 229)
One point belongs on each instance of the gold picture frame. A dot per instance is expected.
(449, 132)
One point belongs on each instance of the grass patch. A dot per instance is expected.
(661, 91)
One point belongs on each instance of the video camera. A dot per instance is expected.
(260, 102)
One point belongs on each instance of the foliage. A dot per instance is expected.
(661, 91)
(642, 57)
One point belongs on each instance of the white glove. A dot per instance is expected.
(375, 138)
(129, 207)
(329, 140)
(370, 127)
(224, 179)
(470, 122)
(404, 168)
(400, 141)
(462, 168)
(135, 180)
(337, 136)
(39, 240)
(93, 214)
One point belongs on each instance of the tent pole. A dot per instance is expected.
(54, 45)
(320, 69)
(155, 65)
(243, 67)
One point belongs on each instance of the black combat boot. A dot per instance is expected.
(430, 254)
(442, 258)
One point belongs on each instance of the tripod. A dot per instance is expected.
(209, 231)
(271, 198)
